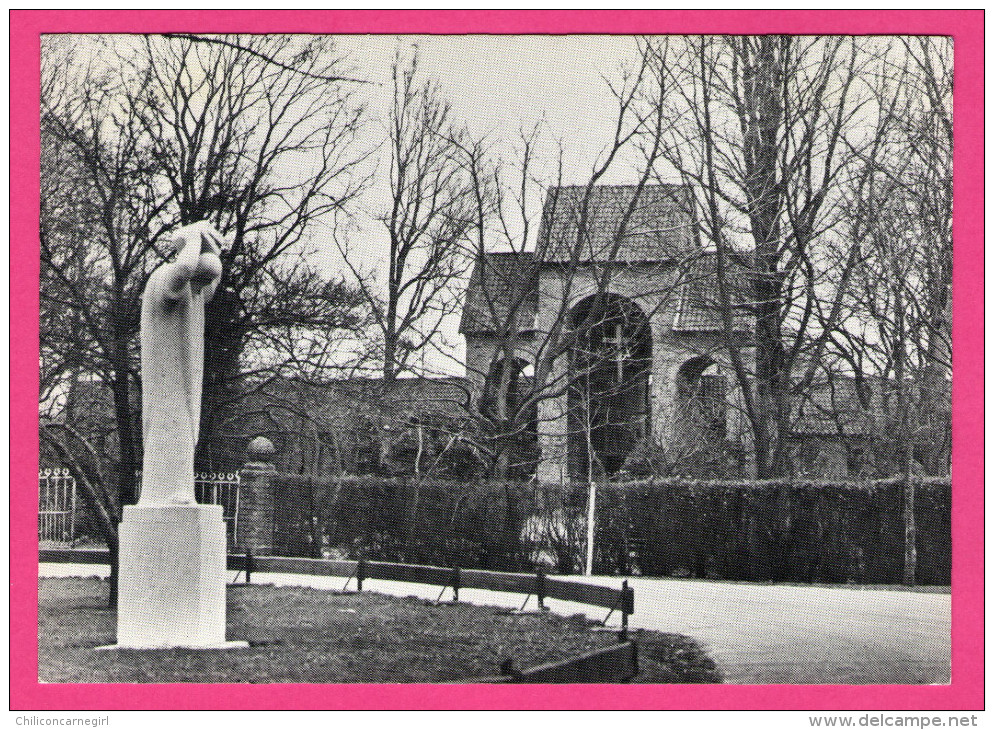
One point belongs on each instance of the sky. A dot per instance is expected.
(501, 84)
(498, 86)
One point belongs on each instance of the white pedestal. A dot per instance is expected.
(171, 586)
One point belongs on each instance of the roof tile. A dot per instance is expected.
(497, 281)
(660, 227)
(698, 306)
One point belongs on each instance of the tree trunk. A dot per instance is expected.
(772, 387)
(389, 357)
(127, 463)
(390, 334)
(910, 575)
(903, 451)
(390, 338)
(763, 118)
(502, 464)
(98, 500)
(223, 344)
(509, 544)
(114, 573)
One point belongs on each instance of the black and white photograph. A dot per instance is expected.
(495, 359)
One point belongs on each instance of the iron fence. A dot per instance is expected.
(222, 489)
(58, 511)
(56, 505)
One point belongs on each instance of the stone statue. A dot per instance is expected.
(171, 550)
(172, 363)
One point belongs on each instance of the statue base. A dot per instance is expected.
(171, 583)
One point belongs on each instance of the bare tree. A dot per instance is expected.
(769, 128)
(900, 327)
(139, 138)
(101, 218)
(573, 235)
(427, 222)
(258, 135)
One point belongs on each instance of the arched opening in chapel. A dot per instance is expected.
(518, 418)
(518, 389)
(701, 403)
(609, 379)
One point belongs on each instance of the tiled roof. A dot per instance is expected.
(436, 396)
(498, 280)
(659, 229)
(339, 405)
(698, 307)
(339, 398)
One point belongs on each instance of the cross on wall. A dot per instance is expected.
(620, 347)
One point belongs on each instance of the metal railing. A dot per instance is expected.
(213, 488)
(222, 489)
(56, 505)
(58, 509)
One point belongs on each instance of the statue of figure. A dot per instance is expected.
(172, 363)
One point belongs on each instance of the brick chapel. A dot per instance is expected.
(649, 361)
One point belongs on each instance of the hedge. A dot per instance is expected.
(800, 531)
(788, 530)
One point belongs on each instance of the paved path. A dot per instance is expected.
(766, 634)
(757, 634)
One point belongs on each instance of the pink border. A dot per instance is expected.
(966, 690)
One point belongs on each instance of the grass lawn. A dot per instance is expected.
(314, 636)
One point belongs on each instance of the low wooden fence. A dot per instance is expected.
(536, 584)
(610, 665)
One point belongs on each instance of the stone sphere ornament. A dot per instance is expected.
(260, 449)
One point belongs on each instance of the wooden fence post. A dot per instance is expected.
(627, 607)
(540, 589)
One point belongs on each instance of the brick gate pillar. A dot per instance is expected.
(255, 500)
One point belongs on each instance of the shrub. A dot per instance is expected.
(788, 530)
(805, 531)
